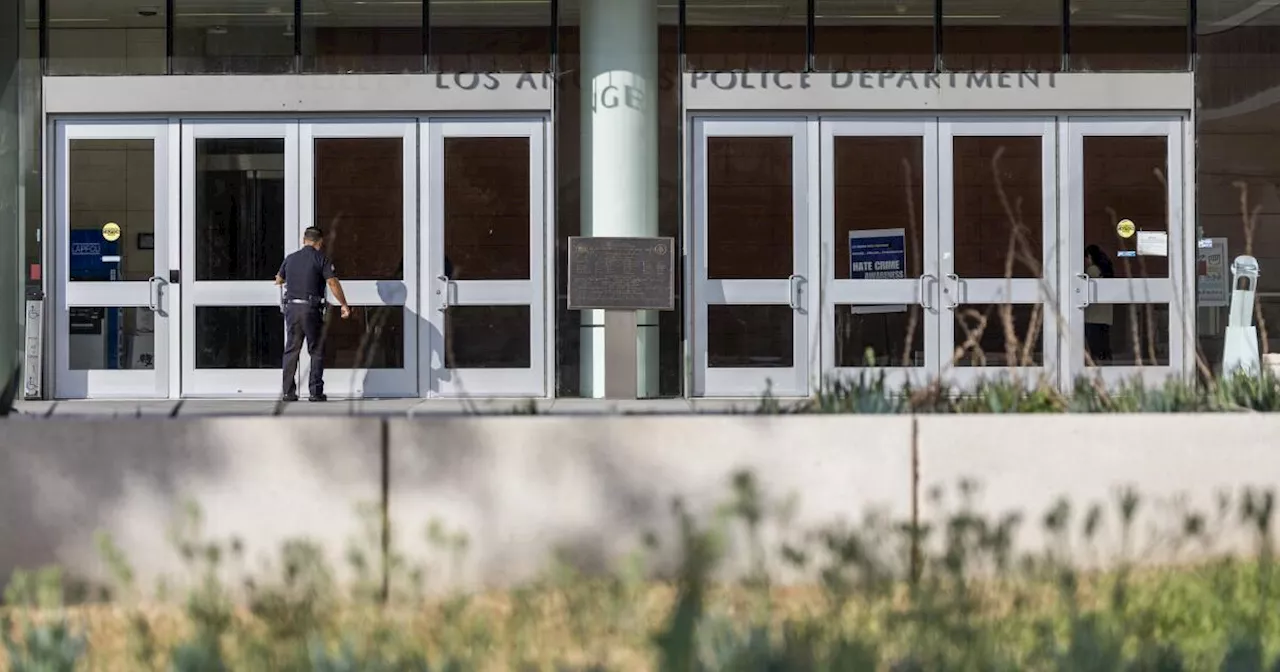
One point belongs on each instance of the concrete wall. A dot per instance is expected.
(522, 488)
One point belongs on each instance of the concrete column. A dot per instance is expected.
(11, 251)
(619, 158)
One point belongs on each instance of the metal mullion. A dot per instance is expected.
(1066, 35)
(297, 36)
(426, 35)
(1192, 21)
(169, 22)
(43, 30)
(810, 34)
(555, 35)
(937, 36)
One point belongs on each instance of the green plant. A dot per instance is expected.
(43, 647)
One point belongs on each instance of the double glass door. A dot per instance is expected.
(436, 228)
(942, 251)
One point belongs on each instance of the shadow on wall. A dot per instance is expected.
(262, 479)
(590, 490)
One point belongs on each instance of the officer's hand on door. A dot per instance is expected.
(346, 312)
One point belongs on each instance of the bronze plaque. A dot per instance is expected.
(622, 273)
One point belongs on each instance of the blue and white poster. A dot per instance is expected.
(878, 254)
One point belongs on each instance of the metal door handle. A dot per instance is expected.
(925, 298)
(1083, 290)
(793, 283)
(444, 293)
(954, 298)
(153, 292)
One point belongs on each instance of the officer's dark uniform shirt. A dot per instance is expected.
(305, 274)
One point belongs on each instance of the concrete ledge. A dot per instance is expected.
(1177, 464)
(263, 480)
(522, 487)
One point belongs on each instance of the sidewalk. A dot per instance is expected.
(376, 407)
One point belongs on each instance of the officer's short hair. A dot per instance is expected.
(313, 235)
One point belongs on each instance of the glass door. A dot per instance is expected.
(239, 217)
(755, 308)
(485, 333)
(360, 188)
(997, 261)
(879, 243)
(1128, 284)
(115, 298)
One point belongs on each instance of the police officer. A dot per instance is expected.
(305, 274)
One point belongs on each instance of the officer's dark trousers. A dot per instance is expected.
(302, 320)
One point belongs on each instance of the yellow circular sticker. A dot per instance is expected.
(111, 231)
(1126, 228)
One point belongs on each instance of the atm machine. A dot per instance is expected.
(97, 337)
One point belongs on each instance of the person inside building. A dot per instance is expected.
(1098, 317)
(304, 275)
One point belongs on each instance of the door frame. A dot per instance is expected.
(162, 296)
(958, 290)
(437, 294)
(798, 379)
(1177, 289)
(354, 382)
(198, 383)
(922, 291)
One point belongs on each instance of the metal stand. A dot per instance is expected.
(620, 381)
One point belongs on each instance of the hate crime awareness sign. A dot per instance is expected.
(878, 254)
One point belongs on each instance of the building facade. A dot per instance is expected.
(853, 186)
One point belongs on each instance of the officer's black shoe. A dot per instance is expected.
(318, 397)
(289, 397)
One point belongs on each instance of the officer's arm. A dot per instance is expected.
(336, 288)
(280, 275)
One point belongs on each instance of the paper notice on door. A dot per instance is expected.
(1153, 244)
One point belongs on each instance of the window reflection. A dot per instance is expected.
(111, 339)
(490, 36)
(106, 37)
(726, 35)
(217, 38)
(1106, 35)
(1002, 35)
(886, 35)
(998, 203)
(111, 182)
(750, 208)
(372, 338)
(750, 336)
(240, 205)
(486, 208)
(883, 336)
(487, 337)
(1134, 334)
(359, 204)
(999, 335)
(239, 337)
(879, 185)
(1124, 178)
(353, 37)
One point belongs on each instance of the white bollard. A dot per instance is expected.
(1240, 345)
